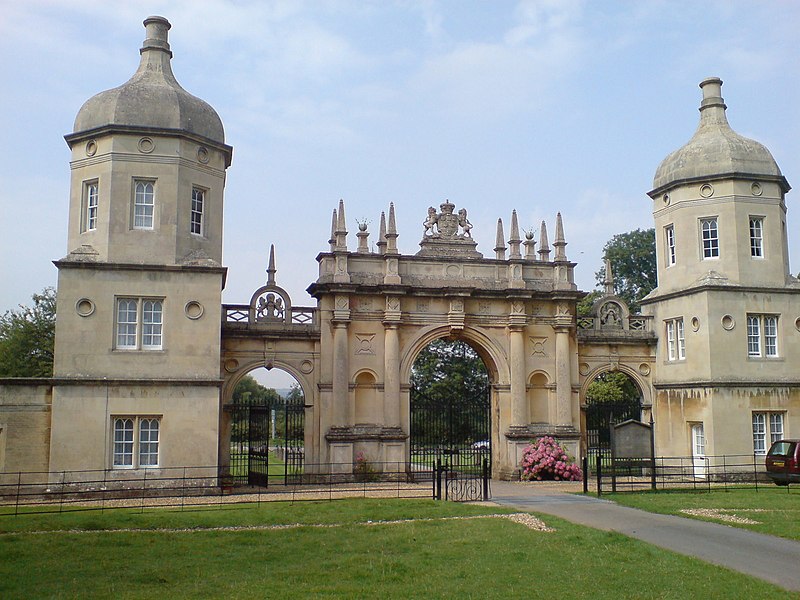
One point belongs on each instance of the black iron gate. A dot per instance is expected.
(267, 442)
(600, 417)
(452, 434)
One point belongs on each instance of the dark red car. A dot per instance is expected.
(783, 462)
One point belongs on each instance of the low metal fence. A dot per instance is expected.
(186, 487)
(621, 474)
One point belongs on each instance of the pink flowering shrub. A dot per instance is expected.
(363, 470)
(544, 459)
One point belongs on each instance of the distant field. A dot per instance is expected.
(772, 510)
(342, 549)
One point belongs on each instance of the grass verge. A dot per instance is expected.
(776, 511)
(435, 558)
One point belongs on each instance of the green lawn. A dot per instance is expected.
(777, 510)
(348, 558)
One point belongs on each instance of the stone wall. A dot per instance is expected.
(25, 409)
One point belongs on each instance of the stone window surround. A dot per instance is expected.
(709, 238)
(767, 425)
(89, 205)
(675, 339)
(197, 212)
(135, 441)
(756, 230)
(762, 336)
(142, 199)
(669, 242)
(143, 327)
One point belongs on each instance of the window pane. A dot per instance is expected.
(771, 336)
(710, 238)
(123, 442)
(681, 339)
(757, 237)
(670, 231)
(671, 340)
(759, 433)
(151, 323)
(753, 336)
(144, 202)
(775, 427)
(91, 206)
(126, 323)
(148, 443)
(198, 197)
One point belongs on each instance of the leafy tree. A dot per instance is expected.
(27, 337)
(584, 307)
(633, 262)
(447, 378)
(612, 387)
(295, 395)
(444, 366)
(249, 391)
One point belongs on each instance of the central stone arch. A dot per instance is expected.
(494, 359)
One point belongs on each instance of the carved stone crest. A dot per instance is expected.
(448, 233)
(446, 223)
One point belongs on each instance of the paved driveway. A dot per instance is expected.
(773, 559)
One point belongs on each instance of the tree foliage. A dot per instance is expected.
(612, 387)
(445, 366)
(27, 338)
(584, 307)
(249, 391)
(633, 262)
(449, 386)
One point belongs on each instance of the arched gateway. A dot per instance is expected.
(353, 353)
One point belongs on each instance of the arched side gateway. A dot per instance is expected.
(616, 362)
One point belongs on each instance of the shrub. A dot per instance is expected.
(545, 460)
(362, 469)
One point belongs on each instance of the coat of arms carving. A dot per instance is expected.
(447, 223)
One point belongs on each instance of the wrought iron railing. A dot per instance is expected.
(619, 474)
(68, 491)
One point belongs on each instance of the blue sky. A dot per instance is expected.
(541, 106)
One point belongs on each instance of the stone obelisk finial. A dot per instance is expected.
(499, 242)
(271, 266)
(332, 240)
(382, 235)
(515, 241)
(608, 280)
(391, 232)
(341, 229)
(560, 242)
(544, 245)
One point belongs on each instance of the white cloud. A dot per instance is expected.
(494, 79)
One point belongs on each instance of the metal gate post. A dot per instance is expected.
(652, 452)
(599, 473)
(585, 464)
(485, 478)
(437, 479)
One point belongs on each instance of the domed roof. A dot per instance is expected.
(715, 149)
(152, 97)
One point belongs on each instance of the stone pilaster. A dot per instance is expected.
(563, 377)
(391, 375)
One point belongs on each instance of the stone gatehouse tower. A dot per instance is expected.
(139, 294)
(147, 357)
